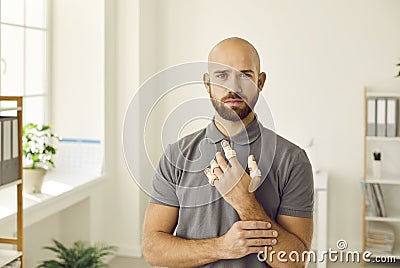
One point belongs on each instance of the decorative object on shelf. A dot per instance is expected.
(377, 166)
(38, 153)
(80, 255)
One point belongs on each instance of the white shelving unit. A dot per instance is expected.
(14, 105)
(8, 256)
(390, 181)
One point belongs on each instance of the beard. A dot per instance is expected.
(234, 113)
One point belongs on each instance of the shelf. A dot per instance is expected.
(374, 138)
(383, 94)
(10, 184)
(393, 181)
(4, 109)
(7, 256)
(394, 254)
(383, 219)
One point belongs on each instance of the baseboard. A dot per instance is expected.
(135, 252)
(108, 259)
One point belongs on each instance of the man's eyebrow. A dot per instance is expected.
(229, 70)
(222, 71)
(247, 71)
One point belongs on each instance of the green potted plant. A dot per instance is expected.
(38, 153)
(80, 255)
(398, 65)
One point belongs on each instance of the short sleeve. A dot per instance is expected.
(164, 188)
(298, 192)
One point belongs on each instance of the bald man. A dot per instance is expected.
(252, 198)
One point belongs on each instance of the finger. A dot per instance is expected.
(221, 161)
(260, 234)
(212, 178)
(255, 173)
(252, 225)
(256, 249)
(258, 242)
(251, 163)
(218, 172)
(230, 154)
(213, 165)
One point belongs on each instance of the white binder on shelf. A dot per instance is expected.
(371, 117)
(392, 117)
(381, 117)
(6, 140)
(9, 150)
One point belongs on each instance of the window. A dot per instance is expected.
(24, 55)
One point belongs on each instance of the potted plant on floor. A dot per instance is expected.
(80, 255)
(38, 153)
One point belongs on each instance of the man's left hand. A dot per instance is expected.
(232, 181)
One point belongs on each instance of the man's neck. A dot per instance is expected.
(230, 128)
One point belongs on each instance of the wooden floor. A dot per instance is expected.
(121, 262)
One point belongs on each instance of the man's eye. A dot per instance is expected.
(246, 75)
(221, 76)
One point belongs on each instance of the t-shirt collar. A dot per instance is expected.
(245, 136)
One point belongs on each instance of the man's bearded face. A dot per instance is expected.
(231, 107)
(233, 93)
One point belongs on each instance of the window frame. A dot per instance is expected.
(46, 94)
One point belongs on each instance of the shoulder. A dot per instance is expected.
(188, 143)
(286, 153)
(283, 147)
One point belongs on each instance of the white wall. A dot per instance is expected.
(122, 80)
(318, 55)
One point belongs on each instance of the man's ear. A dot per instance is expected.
(261, 80)
(206, 81)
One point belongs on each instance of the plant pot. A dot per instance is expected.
(33, 180)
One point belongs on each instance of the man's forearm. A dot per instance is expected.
(163, 249)
(286, 241)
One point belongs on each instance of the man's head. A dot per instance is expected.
(234, 79)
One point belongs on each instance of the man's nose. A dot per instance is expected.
(234, 84)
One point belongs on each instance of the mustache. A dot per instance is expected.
(233, 96)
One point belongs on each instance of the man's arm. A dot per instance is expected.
(294, 233)
(161, 248)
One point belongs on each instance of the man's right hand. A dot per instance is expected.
(246, 237)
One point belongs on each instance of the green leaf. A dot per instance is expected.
(45, 127)
(80, 255)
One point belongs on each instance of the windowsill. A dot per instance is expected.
(60, 190)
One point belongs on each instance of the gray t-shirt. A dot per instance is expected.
(286, 186)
